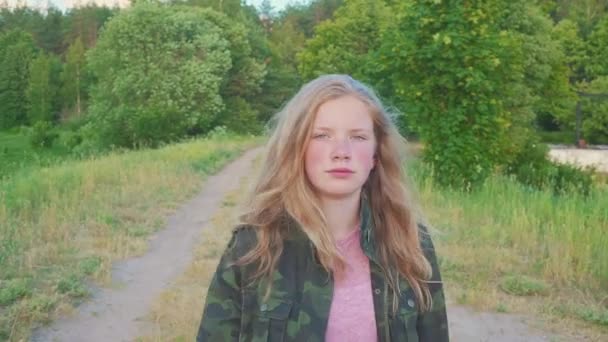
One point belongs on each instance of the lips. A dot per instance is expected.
(341, 170)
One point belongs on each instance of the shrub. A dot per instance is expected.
(531, 167)
(42, 135)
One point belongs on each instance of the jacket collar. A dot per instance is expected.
(367, 239)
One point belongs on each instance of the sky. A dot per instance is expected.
(64, 4)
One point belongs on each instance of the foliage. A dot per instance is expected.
(240, 117)
(451, 68)
(284, 42)
(41, 90)
(598, 50)
(73, 77)
(543, 89)
(345, 43)
(307, 17)
(532, 168)
(159, 72)
(42, 134)
(16, 53)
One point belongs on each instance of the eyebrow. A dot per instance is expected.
(354, 130)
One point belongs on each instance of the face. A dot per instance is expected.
(340, 154)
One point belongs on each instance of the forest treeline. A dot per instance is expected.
(474, 80)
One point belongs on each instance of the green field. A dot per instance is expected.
(17, 153)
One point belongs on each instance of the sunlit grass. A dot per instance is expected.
(509, 248)
(63, 225)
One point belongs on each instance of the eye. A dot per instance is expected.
(360, 137)
(320, 136)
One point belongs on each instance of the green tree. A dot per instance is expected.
(49, 33)
(345, 43)
(567, 34)
(451, 66)
(16, 52)
(586, 13)
(542, 91)
(595, 111)
(598, 50)
(159, 70)
(73, 76)
(40, 92)
(307, 16)
(85, 22)
(242, 83)
(282, 78)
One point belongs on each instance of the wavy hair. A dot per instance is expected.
(283, 191)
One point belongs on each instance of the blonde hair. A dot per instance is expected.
(283, 191)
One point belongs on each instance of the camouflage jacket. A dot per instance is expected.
(298, 306)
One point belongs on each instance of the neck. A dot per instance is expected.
(342, 214)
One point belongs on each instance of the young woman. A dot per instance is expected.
(331, 248)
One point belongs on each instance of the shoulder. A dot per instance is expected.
(244, 238)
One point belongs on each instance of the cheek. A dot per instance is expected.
(365, 156)
(313, 157)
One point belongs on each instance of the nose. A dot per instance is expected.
(341, 150)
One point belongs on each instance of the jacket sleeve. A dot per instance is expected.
(433, 324)
(221, 318)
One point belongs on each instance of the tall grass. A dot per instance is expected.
(505, 229)
(64, 224)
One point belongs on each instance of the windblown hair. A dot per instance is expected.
(283, 191)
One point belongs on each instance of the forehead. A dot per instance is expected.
(345, 111)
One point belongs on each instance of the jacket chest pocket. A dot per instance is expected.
(264, 322)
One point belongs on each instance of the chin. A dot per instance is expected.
(339, 192)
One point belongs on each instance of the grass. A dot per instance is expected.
(62, 226)
(509, 248)
(17, 153)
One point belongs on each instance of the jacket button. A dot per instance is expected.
(264, 307)
(411, 303)
(377, 291)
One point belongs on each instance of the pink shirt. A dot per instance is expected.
(351, 316)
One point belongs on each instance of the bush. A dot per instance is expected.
(42, 135)
(532, 168)
(70, 139)
(557, 137)
(571, 178)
